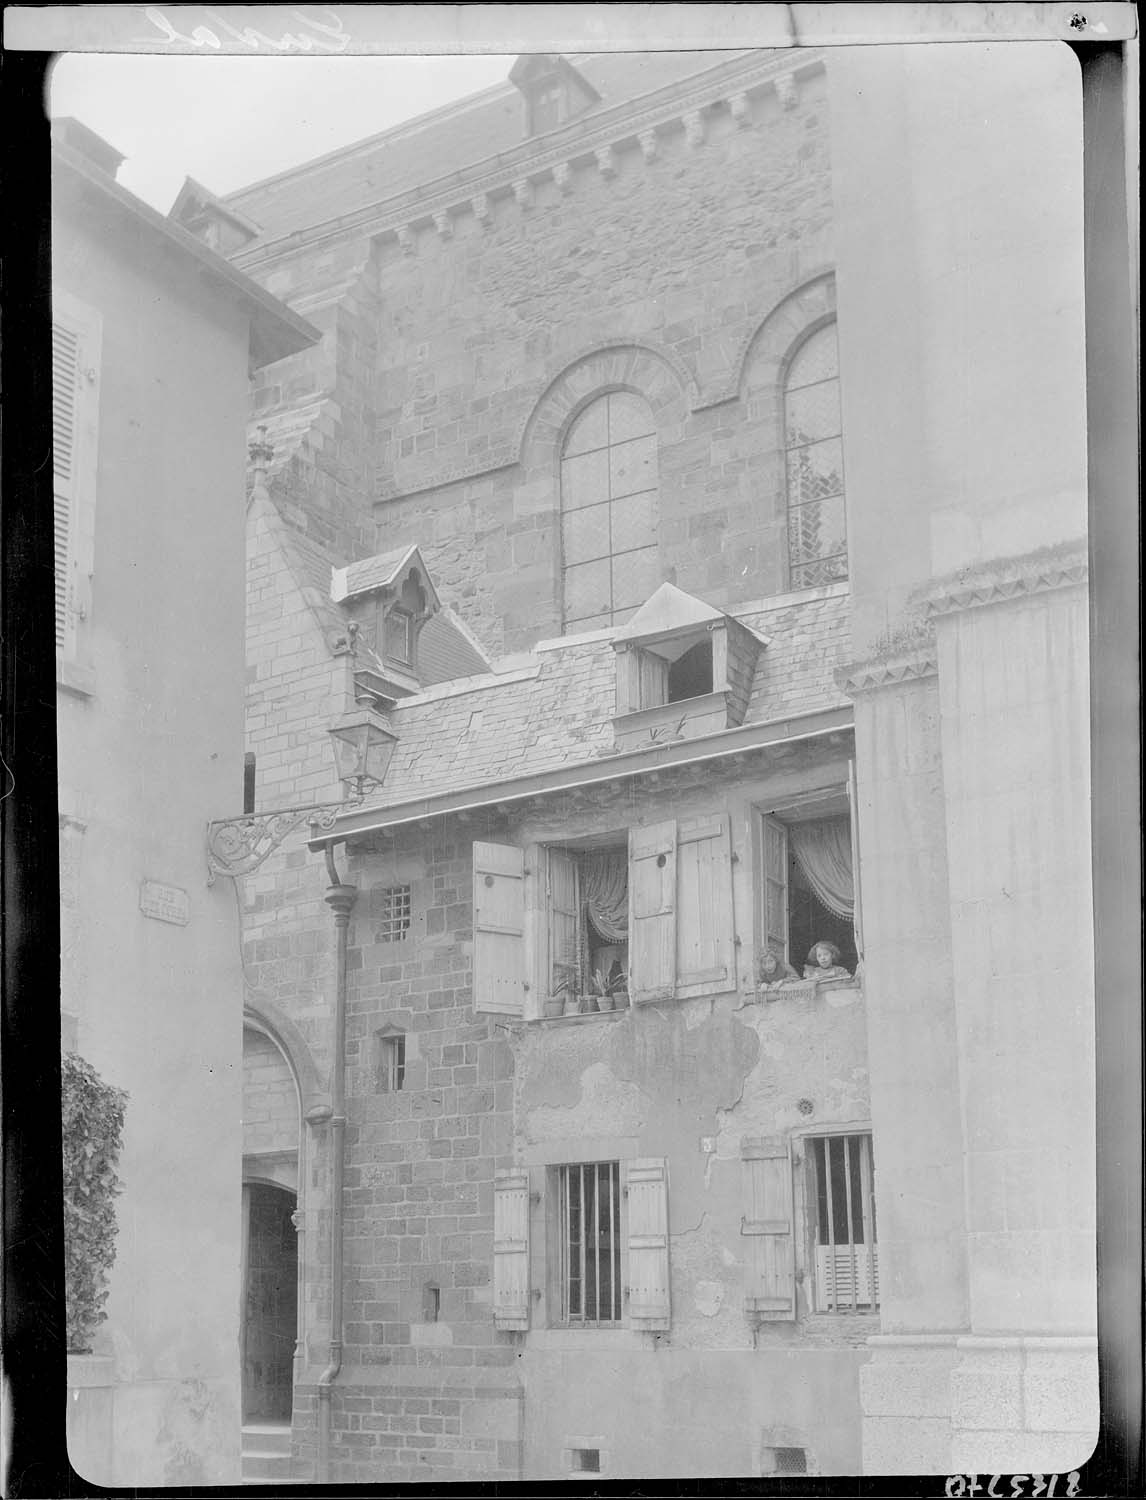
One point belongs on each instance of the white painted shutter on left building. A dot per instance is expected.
(75, 417)
(646, 1185)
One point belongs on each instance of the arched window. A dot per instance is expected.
(817, 539)
(609, 511)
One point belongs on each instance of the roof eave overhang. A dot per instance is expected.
(725, 743)
(276, 331)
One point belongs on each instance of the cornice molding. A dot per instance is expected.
(887, 671)
(1039, 572)
(582, 140)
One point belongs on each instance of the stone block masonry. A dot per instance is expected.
(428, 1388)
(658, 277)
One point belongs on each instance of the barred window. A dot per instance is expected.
(609, 480)
(846, 1276)
(817, 539)
(590, 1215)
(394, 922)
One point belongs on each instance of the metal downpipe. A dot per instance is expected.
(341, 899)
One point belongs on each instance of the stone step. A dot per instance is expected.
(264, 1468)
(266, 1437)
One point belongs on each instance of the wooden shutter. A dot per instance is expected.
(511, 1248)
(652, 912)
(75, 371)
(770, 1271)
(648, 1272)
(564, 921)
(499, 929)
(774, 886)
(705, 931)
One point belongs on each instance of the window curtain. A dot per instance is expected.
(823, 851)
(605, 893)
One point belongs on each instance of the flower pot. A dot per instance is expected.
(572, 1005)
(554, 1006)
(620, 999)
(604, 1002)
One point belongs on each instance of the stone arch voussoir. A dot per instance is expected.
(657, 375)
(260, 1015)
(766, 352)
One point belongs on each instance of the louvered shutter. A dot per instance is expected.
(652, 912)
(774, 879)
(648, 1273)
(75, 369)
(499, 929)
(511, 1248)
(705, 935)
(770, 1270)
(565, 976)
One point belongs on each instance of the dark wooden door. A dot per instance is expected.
(269, 1303)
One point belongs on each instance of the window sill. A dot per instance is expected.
(807, 989)
(74, 678)
(591, 1015)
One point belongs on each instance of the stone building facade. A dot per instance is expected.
(627, 525)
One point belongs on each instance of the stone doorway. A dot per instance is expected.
(270, 1302)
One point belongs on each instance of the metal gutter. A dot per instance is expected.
(712, 747)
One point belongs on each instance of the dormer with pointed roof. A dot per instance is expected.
(684, 669)
(197, 210)
(554, 90)
(388, 598)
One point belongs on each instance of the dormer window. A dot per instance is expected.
(553, 89)
(398, 631)
(683, 669)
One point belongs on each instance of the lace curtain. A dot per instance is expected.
(823, 851)
(605, 893)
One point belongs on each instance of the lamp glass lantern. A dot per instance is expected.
(363, 744)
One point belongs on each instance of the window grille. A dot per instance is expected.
(587, 1460)
(394, 923)
(846, 1269)
(813, 440)
(609, 480)
(785, 1461)
(392, 1063)
(590, 1208)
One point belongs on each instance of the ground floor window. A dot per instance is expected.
(589, 1207)
(846, 1272)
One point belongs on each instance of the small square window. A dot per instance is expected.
(586, 1460)
(394, 922)
(391, 1062)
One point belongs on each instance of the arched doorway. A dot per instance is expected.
(270, 1301)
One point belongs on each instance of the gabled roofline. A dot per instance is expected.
(718, 746)
(276, 330)
(193, 191)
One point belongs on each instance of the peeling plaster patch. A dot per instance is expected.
(708, 1297)
(608, 1106)
(727, 1256)
(839, 998)
(697, 1012)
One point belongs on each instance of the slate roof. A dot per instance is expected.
(379, 572)
(558, 710)
(446, 140)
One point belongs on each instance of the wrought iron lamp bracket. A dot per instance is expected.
(238, 846)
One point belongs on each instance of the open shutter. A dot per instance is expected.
(75, 370)
(565, 976)
(511, 1248)
(499, 929)
(770, 1273)
(705, 935)
(652, 912)
(648, 1280)
(774, 879)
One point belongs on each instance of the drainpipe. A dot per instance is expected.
(340, 898)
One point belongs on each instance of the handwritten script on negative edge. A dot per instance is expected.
(317, 35)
